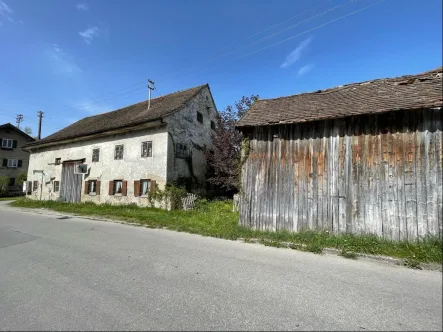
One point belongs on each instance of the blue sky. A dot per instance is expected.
(72, 59)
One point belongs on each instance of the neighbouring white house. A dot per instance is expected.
(121, 156)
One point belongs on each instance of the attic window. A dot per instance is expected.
(181, 151)
(118, 153)
(199, 117)
(9, 143)
(212, 125)
(95, 155)
(58, 161)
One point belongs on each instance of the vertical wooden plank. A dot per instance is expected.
(378, 214)
(295, 169)
(348, 193)
(431, 171)
(398, 144)
(335, 142)
(439, 157)
(410, 180)
(313, 185)
(342, 176)
(326, 221)
(421, 174)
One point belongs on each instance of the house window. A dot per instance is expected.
(12, 163)
(11, 182)
(58, 161)
(28, 187)
(92, 187)
(199, 117)
(212, 125)
(95, 155)
(118, 187)
(56, 185)
(146, 149)
(145, 187)
(118, 154)
(181, 151)
(9, 143)
(35, 185)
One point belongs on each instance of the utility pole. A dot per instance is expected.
(18, 120)
(151, 86)
(40, 117)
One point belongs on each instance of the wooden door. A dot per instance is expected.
(70, 184)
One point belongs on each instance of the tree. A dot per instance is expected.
(224, 158)
(28, 130)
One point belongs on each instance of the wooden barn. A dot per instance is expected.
(359, 158)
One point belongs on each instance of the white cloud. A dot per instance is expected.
(89, 34)
(305, 69)
(5, 11)
(296, 54)
(61, 62)
(92, 108)
(82, 6)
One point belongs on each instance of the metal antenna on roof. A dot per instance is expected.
(151, 87)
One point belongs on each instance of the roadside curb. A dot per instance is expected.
(283, 245)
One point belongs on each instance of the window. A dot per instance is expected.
(95, 155)
(118, 187)
(146, 149)
(9, 143)
(118, 154)
(28, 187)
(145, 187)
(58, 161)
(12, 163)
(181, 151)
(92, 187)
(11, 182)
(212, 125)
(56, 186)
(35, 185)
(199, 117)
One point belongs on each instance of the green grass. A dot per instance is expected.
(9, 198)
(216, 219)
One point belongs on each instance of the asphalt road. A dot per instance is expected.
(79, 274)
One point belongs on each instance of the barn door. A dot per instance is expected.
(70, 184)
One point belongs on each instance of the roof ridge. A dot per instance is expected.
(348, 85)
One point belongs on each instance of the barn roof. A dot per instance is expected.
(381, 95)
(124, 117)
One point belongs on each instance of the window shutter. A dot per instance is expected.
(152, 189)
(86, 187)
(19, 163)
(5, 163)
(97, 188)
(14, 144)
(111, 188)
(136, 188)
(124, 188)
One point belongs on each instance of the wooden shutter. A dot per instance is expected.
(111, 188)
(97, 188)
(19, 163)
(14, 144)
(5, 163)
(136, 188)
(86, 187)
(152, 189)
(124, 188)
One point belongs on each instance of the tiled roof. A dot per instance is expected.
(124, 117)
(401, 93)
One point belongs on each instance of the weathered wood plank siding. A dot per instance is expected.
(378, 174)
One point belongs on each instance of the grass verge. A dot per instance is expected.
(13, 198)
(216, 219)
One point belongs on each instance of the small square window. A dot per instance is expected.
(92, 186)
(199, 117)
(95, 155)
(118, 187)
(181, 151)
(12, 163)
(56, 186)
(212, 125)
(145, 187)
(118, 154)
(7, 143)
(35, 185)
(58, 161)
(146, 149)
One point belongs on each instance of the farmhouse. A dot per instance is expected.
(123, 155)
(359, 158)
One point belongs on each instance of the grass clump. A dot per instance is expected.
(216, 219)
